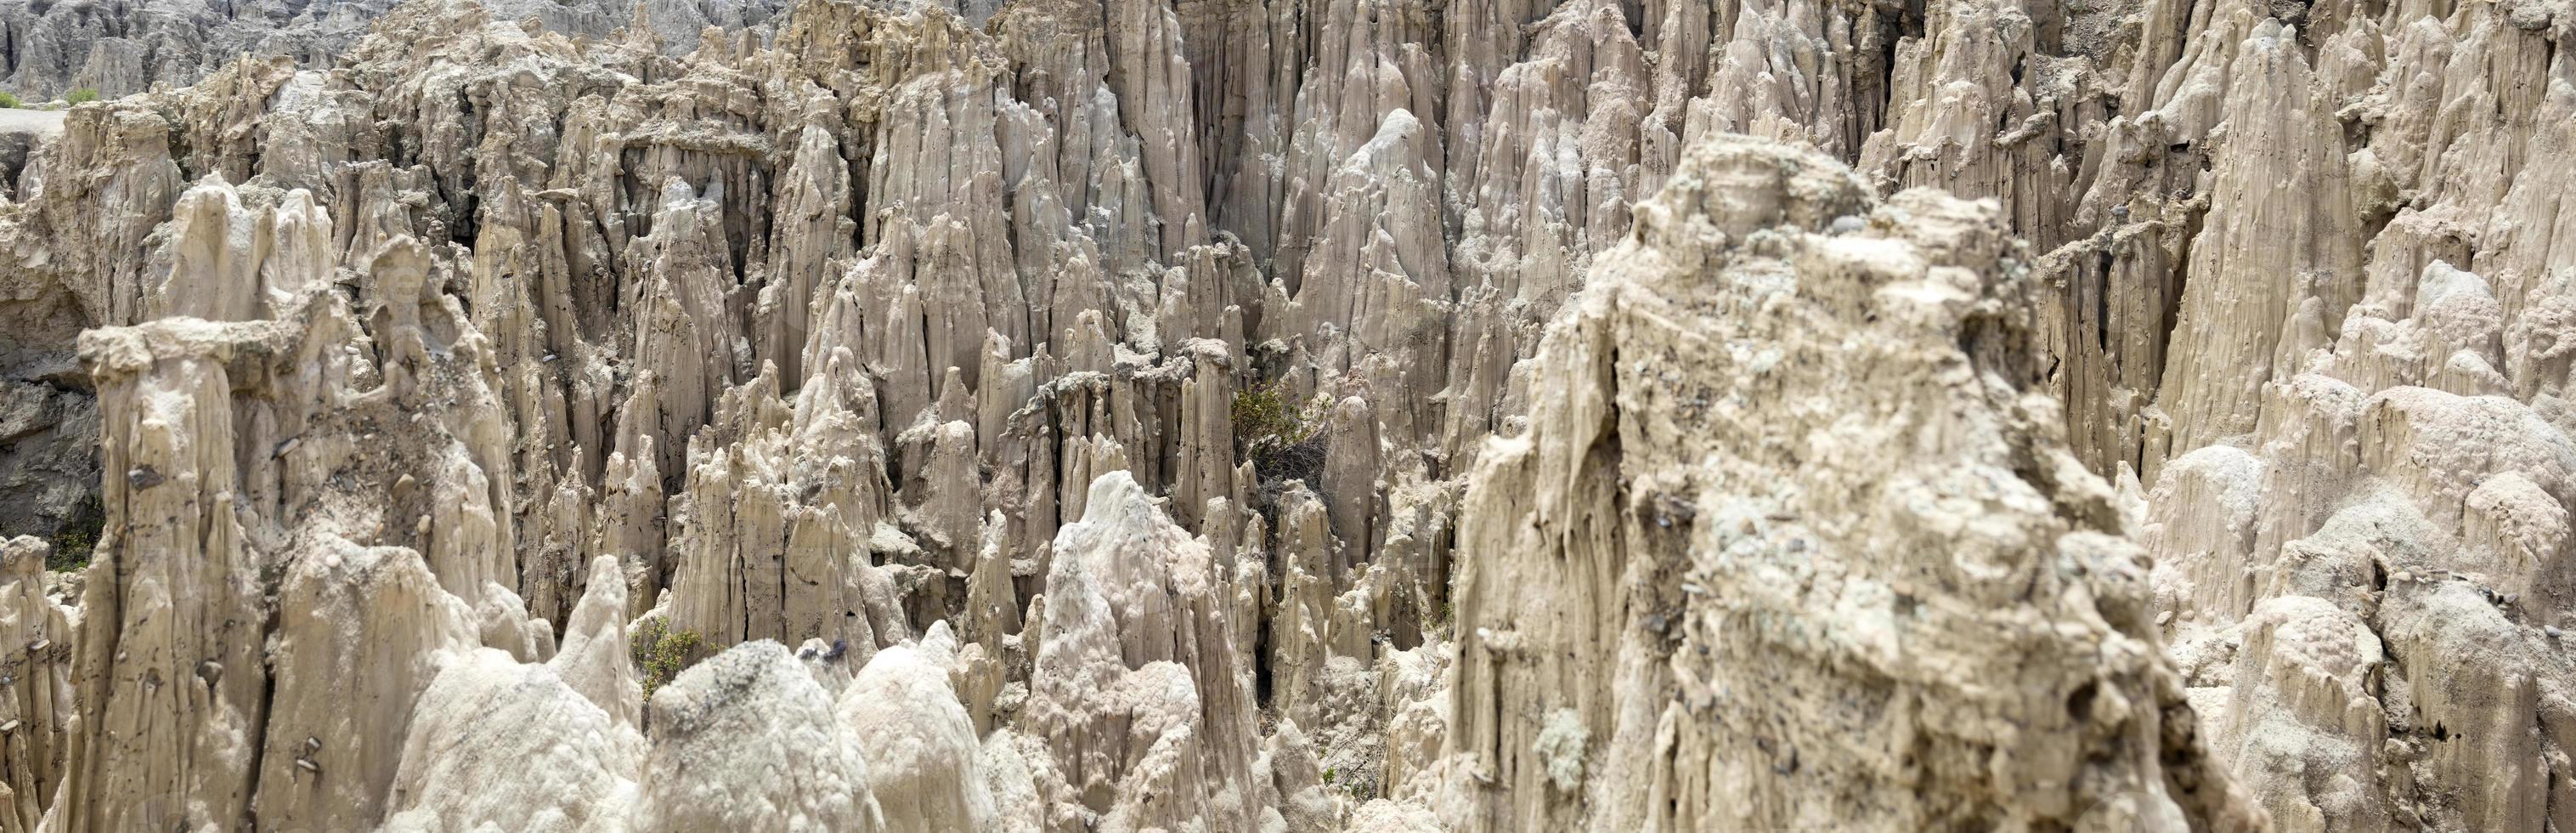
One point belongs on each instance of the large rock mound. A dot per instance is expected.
(1800, 544)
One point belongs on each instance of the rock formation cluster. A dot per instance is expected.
(1289, 415)
(51, 48)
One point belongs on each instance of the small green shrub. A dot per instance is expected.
(1358, 786)
(9, 101)
(72, 551)
(77, 541)
(661, 653)
(1282, 439)
(83, 95)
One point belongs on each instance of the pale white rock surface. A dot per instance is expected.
(495, 744)
(748, 741)
(921, 748)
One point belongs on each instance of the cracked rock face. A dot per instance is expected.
(1310, 415)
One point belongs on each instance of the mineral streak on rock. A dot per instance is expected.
(1297, 415)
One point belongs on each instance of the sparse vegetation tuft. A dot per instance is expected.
(661, 653)
(1283, 439)
(9, 101)
(77, 541)
(83, 95)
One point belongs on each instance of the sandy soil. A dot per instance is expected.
(42, 122)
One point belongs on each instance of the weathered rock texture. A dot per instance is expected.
(1798, 544)
(1300, 415)
(113, 49)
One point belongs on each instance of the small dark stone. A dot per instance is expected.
(143, 477)
(839, 647)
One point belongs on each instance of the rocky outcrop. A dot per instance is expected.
(920, 745)
(1286, 416)
(728, 726)
(2358, 511)
(1762, 614)
(39, 707)
(57, 48)
(1137, 689)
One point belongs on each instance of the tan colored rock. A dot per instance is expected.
(1762, 567)
(352, 654)
(1137, 689)
(921, 334)
(41, 704)
(173, 600)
